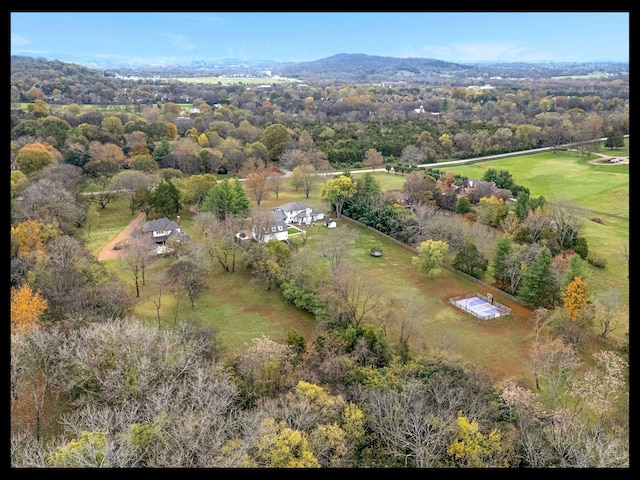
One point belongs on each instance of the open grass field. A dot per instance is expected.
(241, 308)
(236, 80)
(602, 190)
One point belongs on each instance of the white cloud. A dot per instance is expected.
(18, 40)
(179, 41)
(477, 52)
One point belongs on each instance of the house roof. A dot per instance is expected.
(178, 236)
(293, 207)
(279, 215)
(160, 224)
(278, 223)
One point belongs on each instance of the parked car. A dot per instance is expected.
(121, 245)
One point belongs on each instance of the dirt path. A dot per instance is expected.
(623, 160)
(107, 252)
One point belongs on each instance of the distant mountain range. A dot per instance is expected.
(357, 66)
(361, 68)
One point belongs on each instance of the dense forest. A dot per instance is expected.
(92, 386)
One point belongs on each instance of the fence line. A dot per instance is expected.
(503, 309)
(477, 280)
(415, 250)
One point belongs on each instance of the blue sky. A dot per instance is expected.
(180, 37)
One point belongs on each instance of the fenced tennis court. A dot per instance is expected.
(480, 306)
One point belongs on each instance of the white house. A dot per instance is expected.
(298, 213)
(274, 230)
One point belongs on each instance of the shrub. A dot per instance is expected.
(596, 261)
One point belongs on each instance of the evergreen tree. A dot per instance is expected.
(241, 201)
(522, 205)
(577, 267)
(162, 150)
(165, 200)
(536, 288)
(503, 250)
(463, 206)
(226, 198)
(615, 139)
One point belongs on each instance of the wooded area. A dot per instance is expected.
(93, 386)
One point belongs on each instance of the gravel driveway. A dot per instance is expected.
(107, 252)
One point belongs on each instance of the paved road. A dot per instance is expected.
(478, 159)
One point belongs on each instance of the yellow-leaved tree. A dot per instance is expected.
(30, 236)
(86, 452)
(26, 308)
(338, 190)
(471, 448)
(282, 447)
(431, 256)
(575, 297)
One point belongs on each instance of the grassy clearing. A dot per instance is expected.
(105, 224)
(602, 190)
(239, 307)
(242, 309)
(441, 326)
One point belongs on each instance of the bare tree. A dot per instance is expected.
(291, 158)
(180, 402)
(262, 221)
(156, 299)
(335, 246)
(409, 426)
(540, 317)
(47, 202)
(625, 255)
(538, 222)
(34, 382)
(190, 277)
(138, 253)
(566, 217)
(355, 295)
(556, 360)
(304, 177)
(220, 240)
(411, 155)
(373, 159)
(608, 312)
(275, 181)
(256, 176)
(129, 182)
(424, 213)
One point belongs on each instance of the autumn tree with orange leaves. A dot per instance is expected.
(575, 297)
(26, 308)
(30, 236)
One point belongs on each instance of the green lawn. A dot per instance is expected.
(241, 308)
(103, 225)
(602, 190)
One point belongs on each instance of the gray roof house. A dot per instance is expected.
(298, 212)
(277, 229)
(164, 229)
